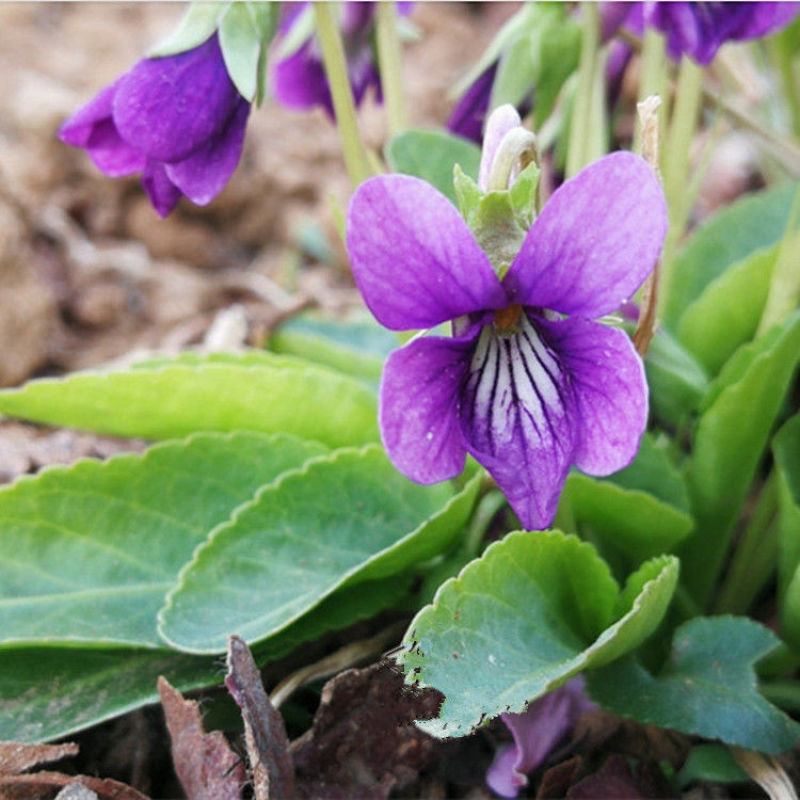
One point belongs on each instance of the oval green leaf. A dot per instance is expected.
(342, 519)
(90, 550)
(263, 393)
(534, 610)
(706, 688)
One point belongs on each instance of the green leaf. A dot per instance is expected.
(640, 511)
(534, 610)
(677, 382)
(341, 520)
(240, 42)
(356, 348)
(90, 550)
(559, 52)
(215, 394)
(727, 313)
(729, 443)
(516, 73)
(750, 224)
(431, 155)
(710, 762)
(786, 450)
(707, 687)
(49, 692)
(199, 22)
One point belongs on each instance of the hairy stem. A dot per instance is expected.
(391, 67)
(333, 58)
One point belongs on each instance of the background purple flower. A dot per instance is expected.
(178, 120)
(299, 81)
(698, 30)
(536, 732)
(524, 390)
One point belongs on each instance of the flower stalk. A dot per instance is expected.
(675, 164)
(355, 154)
(390, 63)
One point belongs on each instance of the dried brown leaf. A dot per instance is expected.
(23, 786)
(363, 743)
(265, 733)
(205, 764)
(17, 757)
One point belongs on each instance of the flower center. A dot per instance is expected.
(506, 320)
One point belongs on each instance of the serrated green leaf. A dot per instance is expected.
(90, 550)
(340, 520)
(534, 610)
(199, 22)
(729, 443)
(216, 394)
(356, 348)
(49, 692)
(677, 382)
(431, 155)
(726, 314)
(707, 687)
(750, 224)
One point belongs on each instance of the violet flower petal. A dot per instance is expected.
(419, 398)
(518, 418)
(203, 175)
(170, 107)
(414, 259)
(610, 388)
(766, 18)
(470, 111)
(163, 193)
(298, 81)
(536, 732)
(500, 122)
(92, 127)
(595, 242)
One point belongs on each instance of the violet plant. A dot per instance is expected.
(641, 502)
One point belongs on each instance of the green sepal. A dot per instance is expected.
(497, 230)
(198, 23)
(467, 192)
(245, 32)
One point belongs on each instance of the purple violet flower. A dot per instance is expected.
(536, 732)
(698, 30)
(529, 384)
(299, 81)
(178, 120)
(470, 111)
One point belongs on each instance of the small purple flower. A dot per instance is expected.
(299, 81)
(521, 386)
(470, 111)
(698, 30)
(536, 732)
(178, 120)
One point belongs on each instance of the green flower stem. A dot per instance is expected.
(355, 154)
(675, 162)
(391, 66)
(580, 132)
(756, 555)
(784, 289)
(781, 57)
(488, 506)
